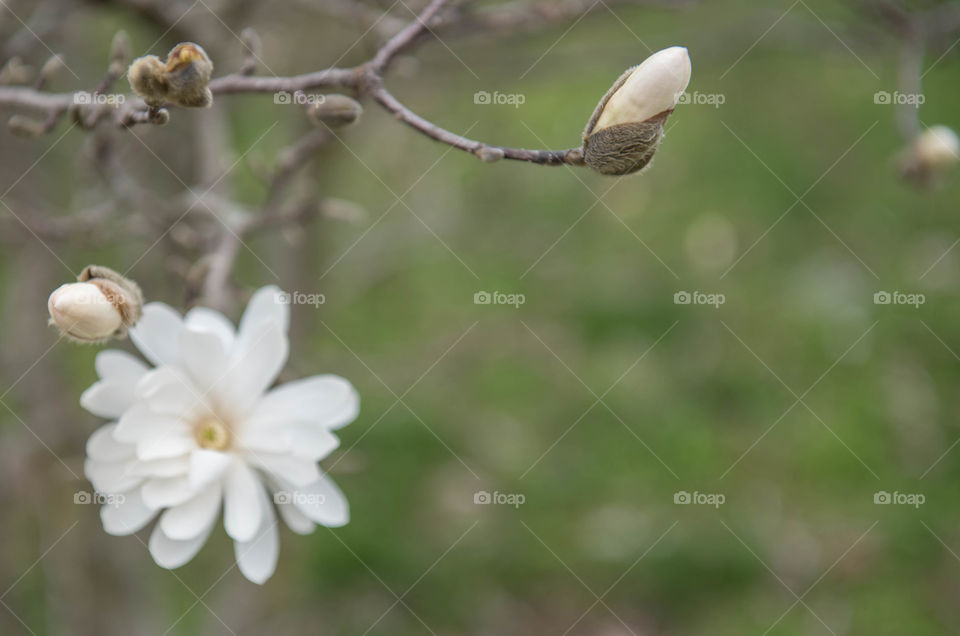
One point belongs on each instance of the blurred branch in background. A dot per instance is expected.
(929, 151)
(208, 278)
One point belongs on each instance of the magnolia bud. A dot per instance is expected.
(188, 72)
(488, 154)
(102, 305)
(938, 146)
(930, 155)
(335, 111)
(15, 72)
(50, 68)
(627, 125)
(119, 53)
(182, 80)
(26, 126)
(146, 77)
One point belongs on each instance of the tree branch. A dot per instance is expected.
(487, 152)
(405, 38)
(364, 79)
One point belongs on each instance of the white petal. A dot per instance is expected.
(141, 423)
(262, 440)
(312, 442)
(167, 391)
(295, 519)
(203, 355)
(127, 517)
(155, 334)
(193, 517)
(107, 398)
(204, 319)
(119, 373)
(103, 446)
(257, 558)
(323, 502)
(295, 470)
(268, 304)
(256, 362)
(328, 400)
(166, 467)
(242, 509)
(207, 466)
(167, 446)
(110, 477)
(170, 553)
(114, 364)
(166, 492)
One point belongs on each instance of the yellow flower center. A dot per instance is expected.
(212, 433)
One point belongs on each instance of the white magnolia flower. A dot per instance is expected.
(202, 427)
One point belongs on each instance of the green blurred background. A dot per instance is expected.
(598, 399)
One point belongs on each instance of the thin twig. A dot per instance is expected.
(571, 156)
(406, 37)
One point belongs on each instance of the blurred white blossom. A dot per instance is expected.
(201, 427)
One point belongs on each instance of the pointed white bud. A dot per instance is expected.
(938, 146)
(83, 312)
(627, 125)
(645, 91)
(930, 156)
(101, 305)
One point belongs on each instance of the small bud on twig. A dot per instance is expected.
(50, 68)
(15, 72)
(335, 111)
(930, 155)
(119, 54)
(26, 126)
(188, 73)
(489, 154)
(101, 305)
(627, 125)
(253, 48)
(182, 80)
(146, 79)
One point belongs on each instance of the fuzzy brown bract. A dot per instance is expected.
(147, 79)
(122, 292)
(624, 148)
(188, 72)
